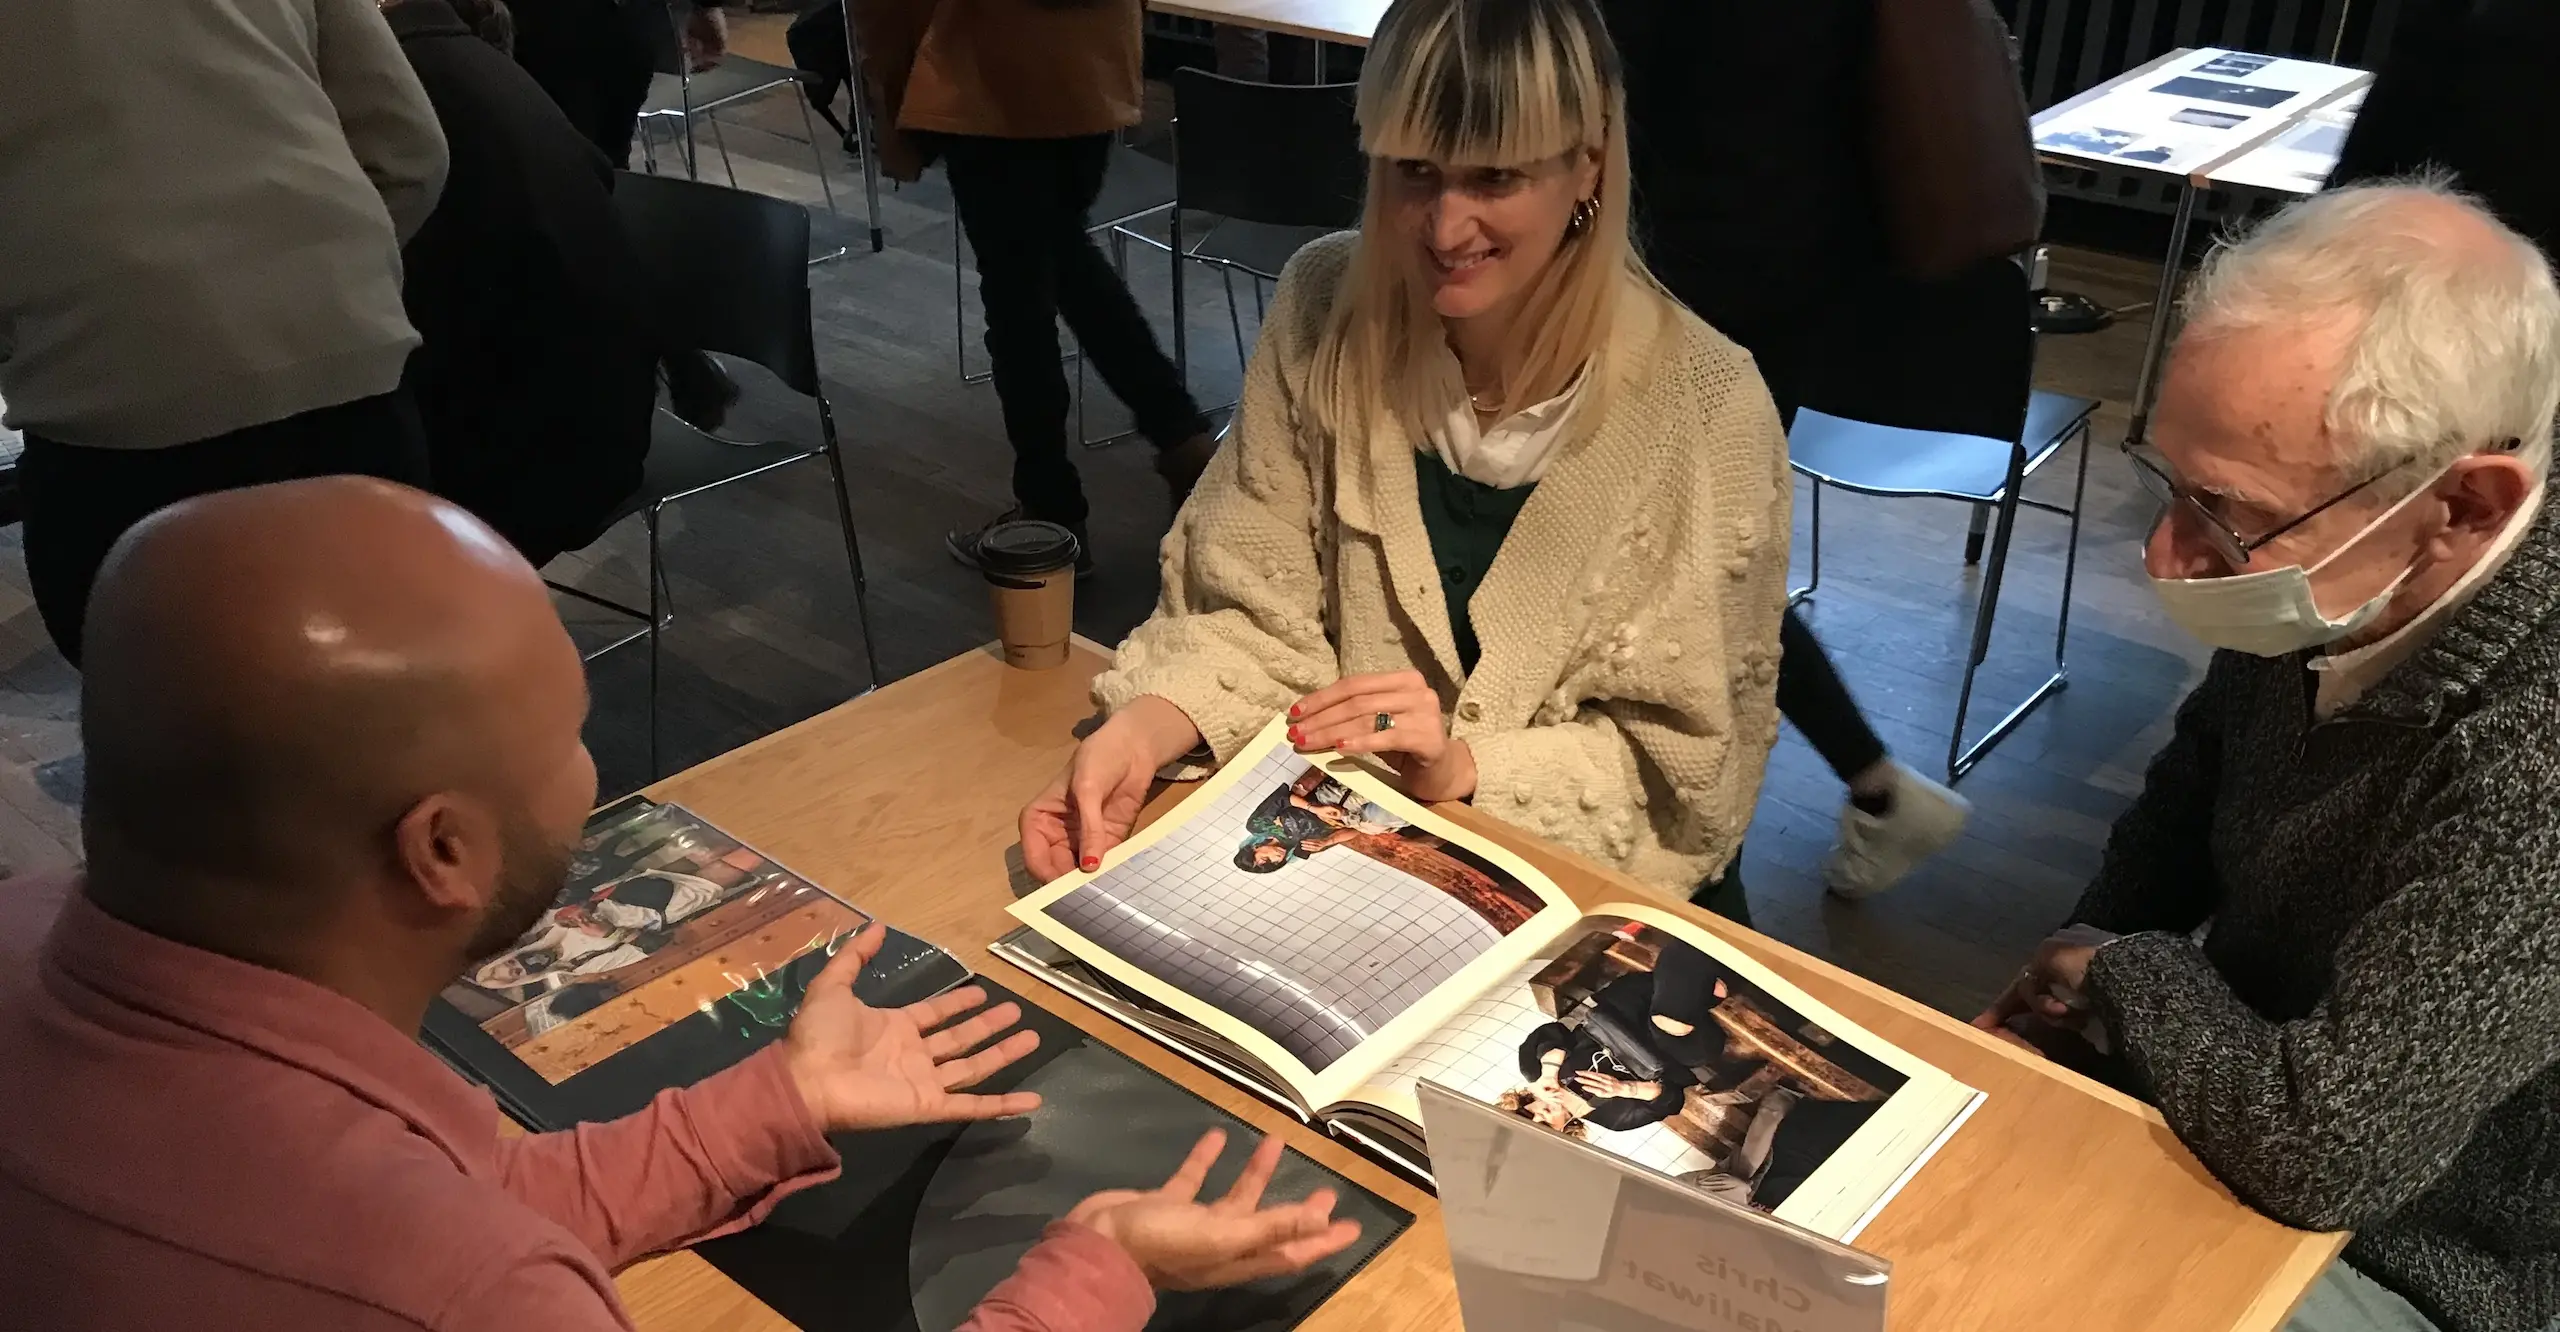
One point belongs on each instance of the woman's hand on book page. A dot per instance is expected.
(1182, 1243)
(859, 1067)
(1090, 807)
(1395, 716)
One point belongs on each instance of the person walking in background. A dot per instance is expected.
(1762, 204)
(544, 337)
(597, 57)
(1020, 99)
(2469, 88)
(200, 259)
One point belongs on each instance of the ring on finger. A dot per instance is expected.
(1385, 721)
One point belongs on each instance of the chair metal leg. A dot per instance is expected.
(1974, 533)
(852, 543)
(1813, 583)
(1181, 312)
(2071, 551)
(656, 625)
(721, 142)
(1235, 322)
(818, 154)
(862, 136)
(1960, 757)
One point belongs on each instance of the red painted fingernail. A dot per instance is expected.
(1293, 712)
(1092, 863)
(1295, 738)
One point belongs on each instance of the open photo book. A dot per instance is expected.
(1300, 927)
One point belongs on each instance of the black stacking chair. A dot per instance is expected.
(732, 268)
(1961, 459)
(1277, 165)
(679, 95)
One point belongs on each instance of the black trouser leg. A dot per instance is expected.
(1723, 894)
(1811, 695)
(595, 59)
(1017, 201)
(79, 500)
(1106, 318)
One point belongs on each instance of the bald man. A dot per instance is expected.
(334, 758)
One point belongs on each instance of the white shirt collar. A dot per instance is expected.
(2344, 677)
(1512, 452)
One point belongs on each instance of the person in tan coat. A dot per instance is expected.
(1020, 99)
(1496, 508)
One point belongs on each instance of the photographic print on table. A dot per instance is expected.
(2207, 118)
(1643, 1045)
(2223, 90)
(663, 916)
(2235, 64)
(2093, 140)
(1303, 903)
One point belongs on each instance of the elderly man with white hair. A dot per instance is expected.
(2325, 940)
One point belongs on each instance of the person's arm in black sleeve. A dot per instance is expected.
(1552, 1038)
(2444, 1000)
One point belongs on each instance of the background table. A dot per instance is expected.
(2060, 1201)
(1349, 22)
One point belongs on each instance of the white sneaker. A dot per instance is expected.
(1876, 850)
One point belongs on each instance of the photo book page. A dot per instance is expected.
(1301, 928)
(1306, 912)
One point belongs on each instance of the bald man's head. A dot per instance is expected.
(328, 705)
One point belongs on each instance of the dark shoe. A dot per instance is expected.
(963, 542)
(1181, 465)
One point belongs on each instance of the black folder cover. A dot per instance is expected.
(925, 1220)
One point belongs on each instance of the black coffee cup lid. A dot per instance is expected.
(1026, 546)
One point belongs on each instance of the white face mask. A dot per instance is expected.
(2272, 613)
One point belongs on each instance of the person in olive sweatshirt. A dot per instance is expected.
(200, 259)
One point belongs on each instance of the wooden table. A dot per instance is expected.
(2059, 1202)
(1349, 22)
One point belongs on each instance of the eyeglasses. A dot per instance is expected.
(2235, 549)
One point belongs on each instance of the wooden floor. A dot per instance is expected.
(766, 635)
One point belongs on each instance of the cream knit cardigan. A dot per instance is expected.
(1624, 702)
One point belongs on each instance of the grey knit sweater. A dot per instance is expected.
(2369, 1036)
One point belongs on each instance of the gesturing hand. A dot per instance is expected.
(860, 1067)
(1343, 717)
(1184, 1244)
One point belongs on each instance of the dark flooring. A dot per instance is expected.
(765, 631)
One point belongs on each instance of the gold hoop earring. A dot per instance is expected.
(1585, 212)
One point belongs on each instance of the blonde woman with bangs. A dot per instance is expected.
(1495, 508)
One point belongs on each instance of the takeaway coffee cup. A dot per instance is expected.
(1031, 571)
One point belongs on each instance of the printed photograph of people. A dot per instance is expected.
(1299, 907)
(649, 893)
(1647, 1030)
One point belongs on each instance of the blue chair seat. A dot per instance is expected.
(1889, 460)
